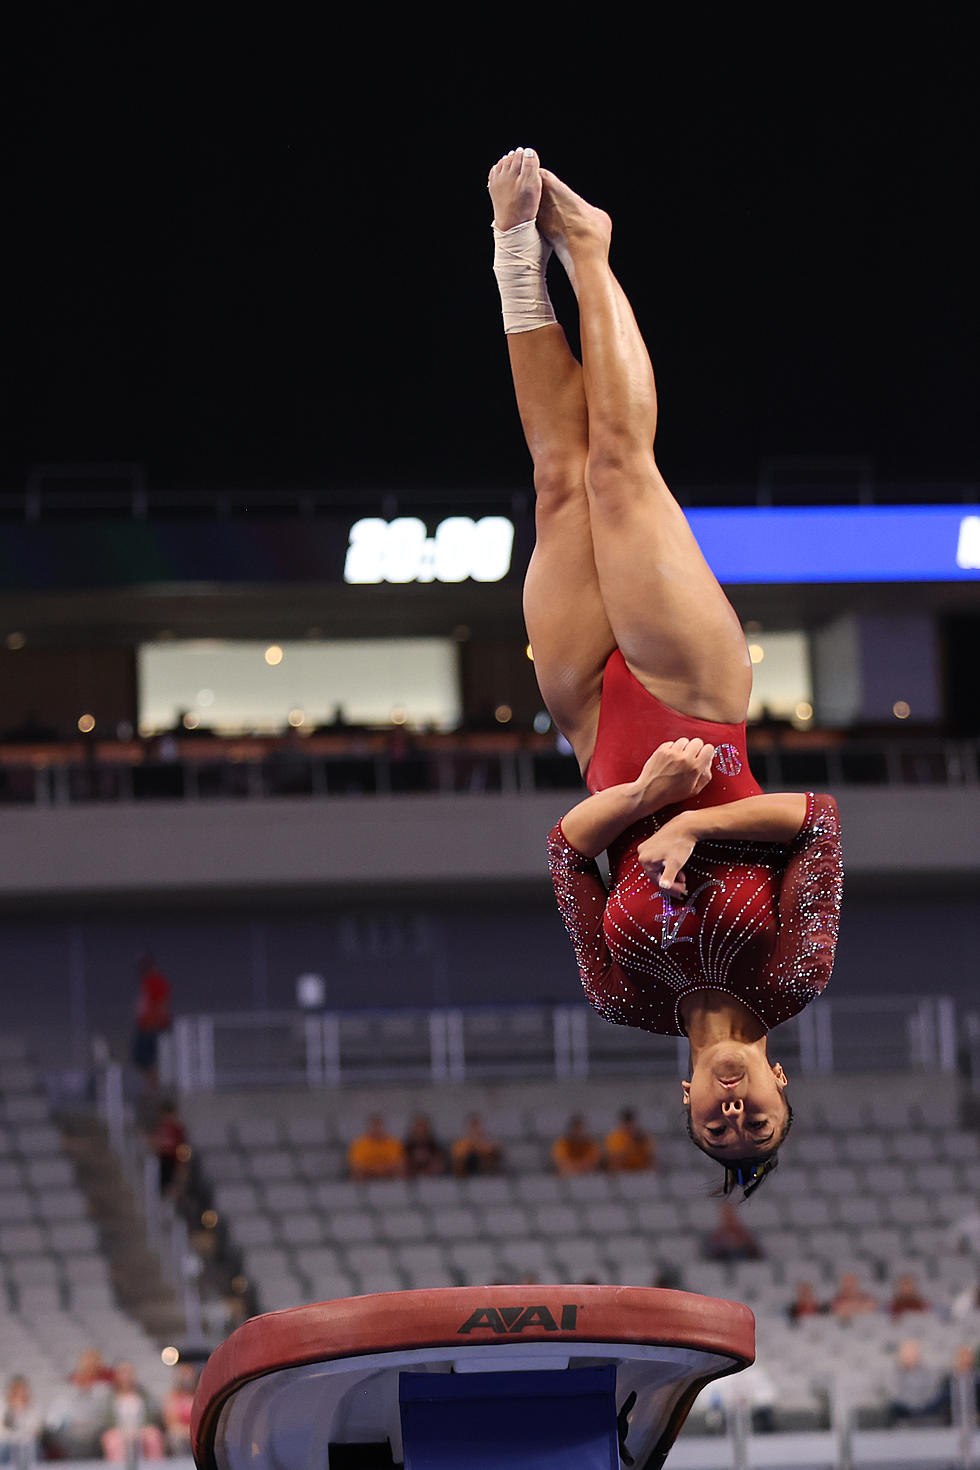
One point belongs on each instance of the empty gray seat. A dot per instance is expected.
(505, 1222)
(208, 1134)
(860, 1209)
(27, 1107)
(863, 1148)
(267, 1164)
(51, 1173)
(258, 1133)
(316, 1163)
(317, 1259)
(910, 1209)
(353, 1225)
(16, 1206)
(253, 1230)
(301, 1228)
(12, 1175)
(526, 1156)
(61, 1204)
(368, 1260)
(312, 1132)
(70, 1236)
(422, 1260)
(234, 1199)
(337, 1194)
(655, 1217)
(588, 1188)
(456, 1223)
(475, 1261)
(612, 1218)
(834, 1179)
(225, 1167)
(886, 1179)
(36, 1139)
(486, 1191)
(538, 1189)
(552, 1221)
(580, 1259)
(935, 1179)
(283, 1197)
(808, 1210)
(410, 1225)
(33, 1270)
(388, 1194)
(522, 1256)
(330, 1286)
(438, 1191)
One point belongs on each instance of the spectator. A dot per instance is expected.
(805, 1303)
(169, 1142)
(850, 1300)
(20, 1424)
(424, 1154)
(917, 1392)
(628, 1147)
(476, 1152)
(153, 1018)
(907, 1298)
(731, 1240)
(177, 1407)
(966, 1302)
(754, 1388)
(376, 1154)
(964, 1235)
(132, 1431)
(80, 1412)
(966, 1367)
(575, 1151)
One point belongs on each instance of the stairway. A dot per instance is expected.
(141, 1288)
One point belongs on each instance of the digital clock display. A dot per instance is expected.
(403, 551)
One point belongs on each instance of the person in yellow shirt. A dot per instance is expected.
(376, 1154)
(628, 1147)
(576, 1151)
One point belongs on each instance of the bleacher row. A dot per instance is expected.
(875, 1186)
(56, 1295)
(851, 1196)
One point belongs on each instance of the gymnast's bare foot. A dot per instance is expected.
(568, 223)
(515, 188)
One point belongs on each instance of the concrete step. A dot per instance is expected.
(137, 1275)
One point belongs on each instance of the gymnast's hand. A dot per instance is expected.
(662, 856)
(676, 770)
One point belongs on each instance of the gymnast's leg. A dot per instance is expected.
(677, 630)
(566, 620)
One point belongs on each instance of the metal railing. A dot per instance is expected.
(166, 1231)
(453, 1044)
(66, 774)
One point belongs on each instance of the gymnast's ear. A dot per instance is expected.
(686, 1091)
(780, 1075)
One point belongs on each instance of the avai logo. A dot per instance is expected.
(514, 1319)
(727, 761)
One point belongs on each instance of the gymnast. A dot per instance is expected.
(721, 918)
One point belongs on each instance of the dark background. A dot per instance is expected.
(254, 251)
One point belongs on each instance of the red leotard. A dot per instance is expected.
(760, 919)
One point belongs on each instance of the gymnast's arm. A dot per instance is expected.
(582, 896)
(809, 901)
(677, 770)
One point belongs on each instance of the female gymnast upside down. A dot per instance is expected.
(721, 918)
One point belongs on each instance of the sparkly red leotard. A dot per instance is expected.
(760, 919)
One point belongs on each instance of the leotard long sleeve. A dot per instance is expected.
(760, 920)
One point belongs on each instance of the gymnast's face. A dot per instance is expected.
(736, 1101)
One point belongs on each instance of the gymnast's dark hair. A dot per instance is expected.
(743, 1174)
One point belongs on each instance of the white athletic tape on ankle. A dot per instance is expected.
(520, 260)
